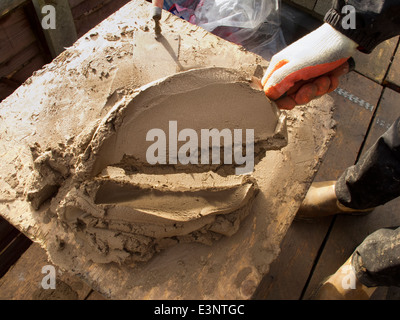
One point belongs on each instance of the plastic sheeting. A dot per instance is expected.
(254, 24)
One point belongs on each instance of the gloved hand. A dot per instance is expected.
(308, 68)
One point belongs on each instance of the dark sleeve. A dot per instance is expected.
(376, 21)
(376, 260)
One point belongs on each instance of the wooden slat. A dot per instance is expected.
(309, 4)
(393, 78)
(387, 113)
(375, 65)
(74, 3)
(8, 238)
(5, 91)
(16, 63)
(349, 231)
(84, 8)
(20, 51)
(8, 86)
(22, 282)
(90, 13)
(15, 35)
(6, 6)
(7, 234)
(14, 250)
(94, 295)
(34, 64)
(302, 242)
(64, 35)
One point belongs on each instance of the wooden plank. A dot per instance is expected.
(322, 7)
(393, 78)
(7, 6)
(84, 8)
(74, 3)
(37, 29)
(349, 231)
(12, 252)
(304, 238)
(375, 65)
(289, 272)
(29, 68)
(15, 34)
(309, 4)
(23, 281)
(6, 90)
(387, 113)
(64, 35)
(91, 16)
(7, 234)
(17, 62)
(362, 95)
(20, 51)
(94, 295)
(296, 23)
(18, 77)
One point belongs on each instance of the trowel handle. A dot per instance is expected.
(157, 9)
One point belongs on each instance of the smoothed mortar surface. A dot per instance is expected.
(212, 98)
(124, 209)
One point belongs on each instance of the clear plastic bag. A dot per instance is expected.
(182, 8)
(254, 24)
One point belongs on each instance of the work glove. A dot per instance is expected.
(308, 68)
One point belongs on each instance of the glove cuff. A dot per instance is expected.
(327, 41)
(365, 42)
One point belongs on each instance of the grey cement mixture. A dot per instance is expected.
(121, 208)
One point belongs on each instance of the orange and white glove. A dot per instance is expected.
(308, 68)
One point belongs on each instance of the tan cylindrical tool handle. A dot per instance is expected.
(157, 9)
(158, 3)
